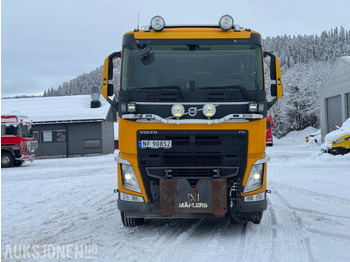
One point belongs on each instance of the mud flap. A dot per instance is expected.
(178, 197)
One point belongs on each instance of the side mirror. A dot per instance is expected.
(273, 90)
(275, 74)
(110, 90)
(272, 68)
(107, 88)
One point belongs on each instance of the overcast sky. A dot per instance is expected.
(47, 42)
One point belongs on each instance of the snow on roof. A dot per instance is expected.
(58, 109)
(337, 79)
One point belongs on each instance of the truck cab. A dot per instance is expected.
(192, 113)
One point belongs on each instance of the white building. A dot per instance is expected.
(335, 97)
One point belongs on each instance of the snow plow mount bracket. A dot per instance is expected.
(178, 196)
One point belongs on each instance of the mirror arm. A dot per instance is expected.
(113, 103)
(271, 103)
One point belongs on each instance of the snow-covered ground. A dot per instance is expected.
(65, 209)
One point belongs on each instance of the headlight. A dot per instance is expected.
(157, 23)
(178, 110)
(209, 110)
(129, 178)
(255, 178)
(226, 22)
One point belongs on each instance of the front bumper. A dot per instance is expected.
(29, 158)
(149, 210)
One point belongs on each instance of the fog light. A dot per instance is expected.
(226, 22)
(209, 110)
(157, 23)
(177, 110)
(257, 197)
(131, 198)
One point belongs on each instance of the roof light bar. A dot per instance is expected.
(226, 22)
(157, 23)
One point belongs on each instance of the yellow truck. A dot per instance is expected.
(192, 109)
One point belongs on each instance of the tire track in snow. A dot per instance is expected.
(211, 236)
(290, 241)
(151, 236)
(241, 245)
(317, 214)
(257, 241)
(329, 198)
(181, 240)
(273, 222)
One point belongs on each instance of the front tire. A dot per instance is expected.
(131, 221)
(18, 163)
(7, 159)
(257, 219)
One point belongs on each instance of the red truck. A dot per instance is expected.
(269, 126)
(17, 142)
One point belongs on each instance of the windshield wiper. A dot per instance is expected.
(239, 87)
(177, 88)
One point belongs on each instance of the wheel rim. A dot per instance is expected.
(5, 160)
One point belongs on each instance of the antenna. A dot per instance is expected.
(138, 23)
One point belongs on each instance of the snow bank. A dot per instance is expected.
(298, 137)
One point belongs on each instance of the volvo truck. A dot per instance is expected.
(192, 107)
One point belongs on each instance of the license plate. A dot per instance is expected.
(155, 144)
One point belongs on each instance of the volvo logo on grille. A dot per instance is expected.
(192, 111)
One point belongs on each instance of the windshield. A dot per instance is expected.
(8, 130)
(192, 67)
(25, 131)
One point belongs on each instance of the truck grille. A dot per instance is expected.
(191, 173)
(32, 146)
(193, 154)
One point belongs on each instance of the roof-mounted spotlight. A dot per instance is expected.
(157, 23)
(226, 22)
